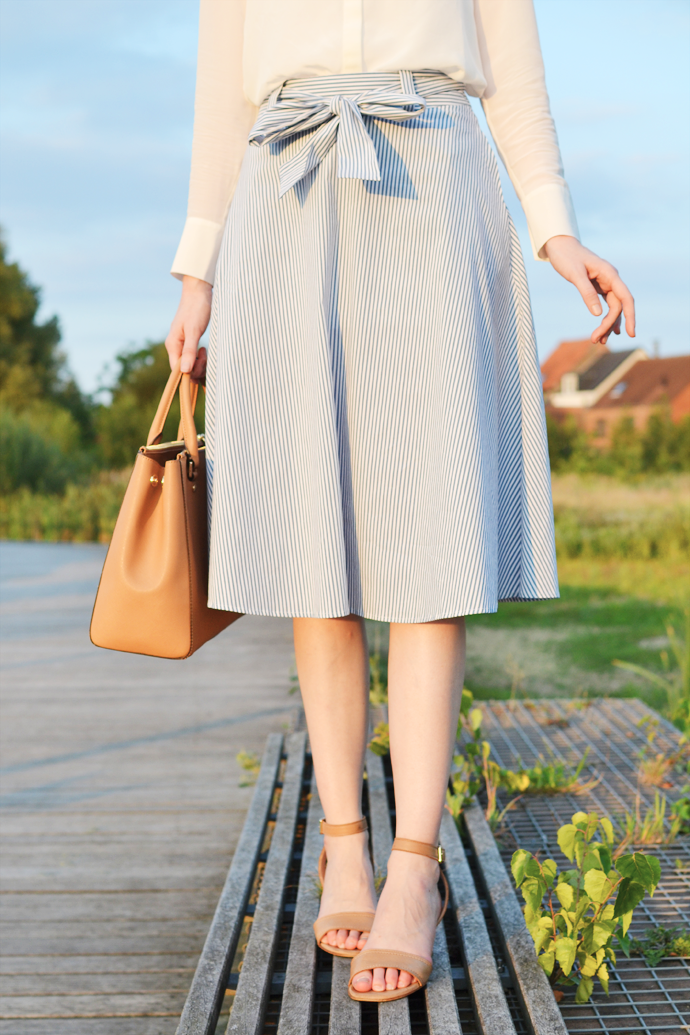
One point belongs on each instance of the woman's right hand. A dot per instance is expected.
(191, 320)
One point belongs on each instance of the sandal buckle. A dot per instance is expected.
(321, 823)
(440, 853)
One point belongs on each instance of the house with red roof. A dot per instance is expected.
(598, 386)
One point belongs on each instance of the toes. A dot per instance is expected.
(352, 940)
(331, 938)
(378, 983)
(391, 979)
(404, 980)
(341, 937)
(362, 982)
(362, 940)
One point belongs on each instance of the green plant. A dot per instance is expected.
(378, 673)
(651, 828)
(657, 943)
(380, 742)
(251, 763)
(573, 936)
(552, 777)
(675, 681)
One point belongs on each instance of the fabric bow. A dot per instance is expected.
(339, 118)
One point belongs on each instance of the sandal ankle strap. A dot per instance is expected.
(343, 829)
(403, 844)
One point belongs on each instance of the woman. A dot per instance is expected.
(375, 426)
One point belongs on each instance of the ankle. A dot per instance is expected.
(409, 864)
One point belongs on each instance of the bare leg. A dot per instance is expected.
(425, 674)
(333, 669)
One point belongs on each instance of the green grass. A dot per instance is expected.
(570, 642)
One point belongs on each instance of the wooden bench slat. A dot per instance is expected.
(531, 982)
(202, 1007)
(345, 1015)
(394, 1018)
(481, 970)
(441, 1006)
(253, 987)
(298, 994)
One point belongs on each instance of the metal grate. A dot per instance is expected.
(641, 999)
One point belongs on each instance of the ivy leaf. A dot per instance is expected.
(546, 962)
(533, 891)
(630, 894)
(566, 949)
(475, 718)
(549, 870)
(625, 924)
(579, 819)
(589, 967)
(592, 825)
(541, 936)
(517, 864)
(607, 827)
(566, 839)
(591, 861)
(466, 701)
(605, 856)
(603, 975)
(532, 868)
(644, 869)
(597, 934)
(565, 895)
(598, 886)
(584, 990)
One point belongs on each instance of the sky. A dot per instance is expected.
(96, 116)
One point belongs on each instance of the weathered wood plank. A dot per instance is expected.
(481, 971)
(345, 1016)
(394, 1018)
(531, 982)
(207, 989)
(441, 1007)
(255, 978)
(298, 994)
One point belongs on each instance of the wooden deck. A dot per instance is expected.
(120, 802)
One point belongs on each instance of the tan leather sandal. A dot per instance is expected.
(337, 921)
(419, 967)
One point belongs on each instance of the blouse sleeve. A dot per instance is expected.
(222, 119)
(517, 110)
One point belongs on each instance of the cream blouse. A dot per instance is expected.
(248, 47)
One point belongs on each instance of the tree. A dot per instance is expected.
(33, 370)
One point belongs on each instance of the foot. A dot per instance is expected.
(406, 919)
(348, 886)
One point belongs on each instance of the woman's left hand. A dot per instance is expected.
(593, 276)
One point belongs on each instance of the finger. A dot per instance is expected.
(589, 294)
(188, 358)
(174, 344)
(604, 329)
(199, 368)
(628, 303)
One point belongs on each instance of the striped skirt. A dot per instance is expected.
(375, 426)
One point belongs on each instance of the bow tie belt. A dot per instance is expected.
(339, 117)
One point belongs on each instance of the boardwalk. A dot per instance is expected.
(120, 800)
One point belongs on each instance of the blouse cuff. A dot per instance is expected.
(198, 249)
(549, 211)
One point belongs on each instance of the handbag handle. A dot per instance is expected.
(177, 378)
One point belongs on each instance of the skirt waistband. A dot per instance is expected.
(335, 107)
(434, 87)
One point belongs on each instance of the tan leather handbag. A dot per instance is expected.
(152, 597)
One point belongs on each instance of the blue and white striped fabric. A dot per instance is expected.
(375, 427)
